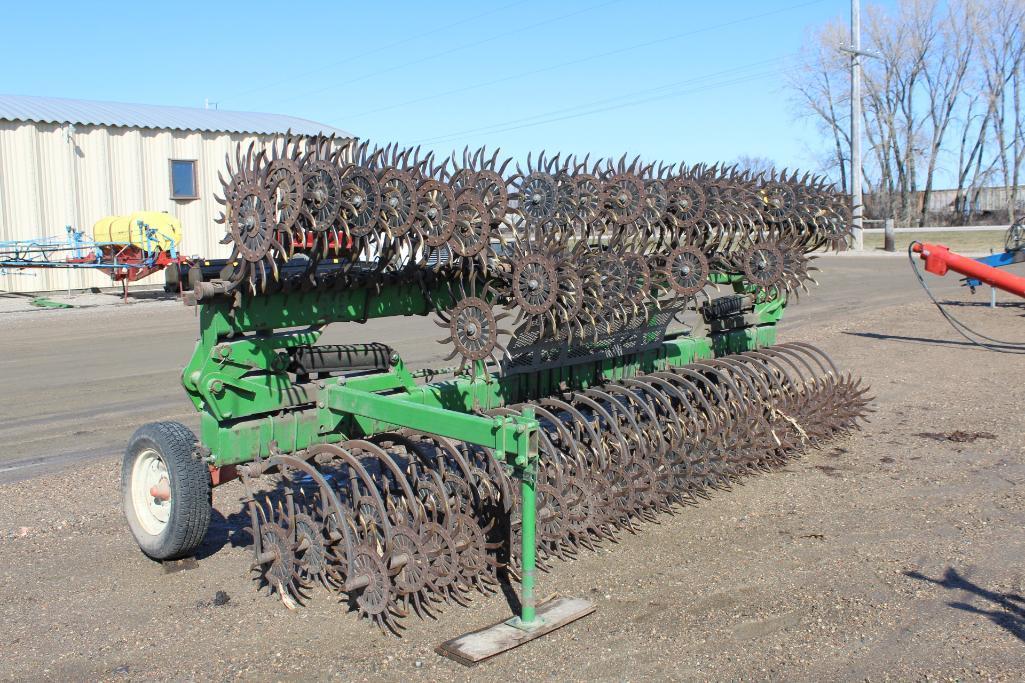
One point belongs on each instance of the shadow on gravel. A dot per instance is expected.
(921, 340)
(1009, 612)
(983, 304)
(150, 295)
(233, 529)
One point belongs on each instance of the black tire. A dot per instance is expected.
(189, 482)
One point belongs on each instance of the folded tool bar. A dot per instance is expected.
(596, 384)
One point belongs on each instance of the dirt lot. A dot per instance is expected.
(892, 554)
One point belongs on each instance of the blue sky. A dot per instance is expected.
(693, 81)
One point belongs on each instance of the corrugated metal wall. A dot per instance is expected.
(990, 199)
(47, 183)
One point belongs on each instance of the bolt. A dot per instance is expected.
(320, 404)
(533, 284)
(320, 385)
(216, 386)
(471, 329)
(393, 202)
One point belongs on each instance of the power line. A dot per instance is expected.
(363, 53)
(444, 53)
(573, 62)
(634, 103)
(547, 117)
(629, 96)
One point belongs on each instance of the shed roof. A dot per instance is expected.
(120, 114)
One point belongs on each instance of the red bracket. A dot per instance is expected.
(222, 475)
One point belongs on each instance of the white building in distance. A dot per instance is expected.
(67, 162)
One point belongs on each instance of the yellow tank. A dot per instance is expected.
(167, 230)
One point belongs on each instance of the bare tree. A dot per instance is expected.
(945, 75)
(755, 165)
(971, 174)
(894, 122)
(821, 86)
(944, 102)
(1003, 50)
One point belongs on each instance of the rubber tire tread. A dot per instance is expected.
(190, 489)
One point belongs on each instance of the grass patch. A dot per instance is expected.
(962, 241)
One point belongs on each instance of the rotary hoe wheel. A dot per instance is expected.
(763, 265)
(394, 215)
(685, 271)
(473, 329)
(410, 522)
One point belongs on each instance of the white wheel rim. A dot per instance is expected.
(147, 473)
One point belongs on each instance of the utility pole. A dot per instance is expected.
(857, 209)
(856, 53)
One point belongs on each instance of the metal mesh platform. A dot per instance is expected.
(641, 333)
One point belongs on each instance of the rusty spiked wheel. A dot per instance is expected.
(536, 190)
(763, 265)
(471, 232)
(686, 270)
(473, 328)
(535, 283)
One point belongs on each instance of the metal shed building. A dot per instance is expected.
(67, 162)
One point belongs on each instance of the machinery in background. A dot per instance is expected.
(1014, 252)
(939, 259)
(125, 248)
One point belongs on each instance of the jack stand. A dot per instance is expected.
(533, 621)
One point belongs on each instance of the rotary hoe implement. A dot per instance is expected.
(595, 383)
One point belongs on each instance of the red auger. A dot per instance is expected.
(939, 259)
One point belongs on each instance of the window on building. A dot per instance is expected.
(183, 179)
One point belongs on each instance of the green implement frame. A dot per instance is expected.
(253, 403)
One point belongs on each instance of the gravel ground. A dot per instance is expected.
(16, 308)
(893, 554)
